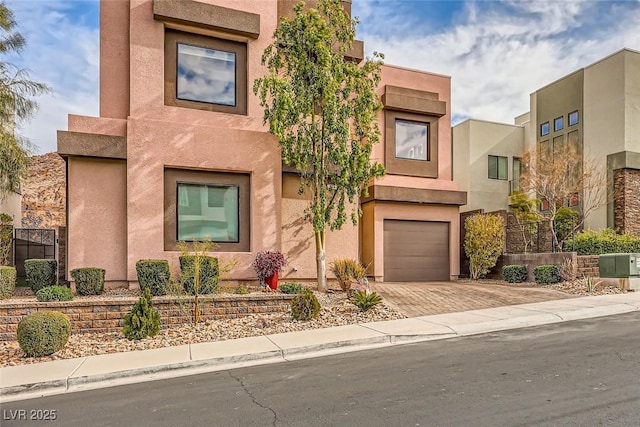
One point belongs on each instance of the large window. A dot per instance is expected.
(573, 118)
(207, 205)
(412, 140)
(205, 73)
(498, 167)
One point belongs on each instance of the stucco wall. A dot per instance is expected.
(11, 205)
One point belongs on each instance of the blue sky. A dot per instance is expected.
(497, 52)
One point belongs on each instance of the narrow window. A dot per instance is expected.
(544, 129)
(517, 172)
(573, 118)
(558, 123)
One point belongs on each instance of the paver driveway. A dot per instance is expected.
(425, 298)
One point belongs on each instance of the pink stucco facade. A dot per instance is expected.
(117, 163)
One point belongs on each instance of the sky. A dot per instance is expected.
(496, 52)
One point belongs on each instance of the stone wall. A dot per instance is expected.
(44, 192)
(626, 185)
(100, 316)
(588, 265)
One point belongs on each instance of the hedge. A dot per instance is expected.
(606, 241)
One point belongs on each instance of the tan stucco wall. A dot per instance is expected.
(97, 232)
(632, 100)
(11, 205)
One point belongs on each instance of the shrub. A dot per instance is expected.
(43, 333)
(568, 269)
(605, 241)
(208, 274)
(346, 271)
(54, 293)
(153, 274)
(514, 273)
(7, 281)
(546, 274)
(365, 300)
(267, 263)
(483, 242)
(89, 280)
(565, 223)
(40, 273)
(6, 239)
(305, 305)
(291, 288)
(143, 320)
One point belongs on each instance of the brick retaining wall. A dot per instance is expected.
(107, 315)
(588, 265)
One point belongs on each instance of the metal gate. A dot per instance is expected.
(32, 243)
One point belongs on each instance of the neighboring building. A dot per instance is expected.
(174, 157)
(11, 204)
(44, 193)
(597, 109)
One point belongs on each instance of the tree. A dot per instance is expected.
(564, 174)
(16, 106)
(322, 108)
(483, 242)
(524, 211)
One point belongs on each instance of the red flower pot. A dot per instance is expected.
(272, 281)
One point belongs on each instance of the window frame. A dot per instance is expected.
(577, 115)
(411, 167)
(174, 176)
(506, 163)
(557, 120)
(542, 132)
(172, 39)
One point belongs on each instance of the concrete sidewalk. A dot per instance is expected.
(62, 376)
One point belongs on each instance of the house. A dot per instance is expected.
(180, 152)
(596, 109)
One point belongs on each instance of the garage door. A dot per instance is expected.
(416, 251)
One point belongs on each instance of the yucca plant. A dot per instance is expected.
(365, 300)
(346, 271)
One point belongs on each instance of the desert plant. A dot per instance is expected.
(6, 238)
(483, 242)
(202, 267)
(514, 273)
(590, 284)
(346, 271)
(291, 288)
(43, 333)
(143, 320)
(365, 300)
(153, 274)
(305, 305)
(40, 273)
(267, 263)
(7, 281)
(546, 274)
(54, 293)
(89, 280)
(568, 269)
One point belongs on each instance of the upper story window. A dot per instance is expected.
(498, 167)
(412, 140)
(205, 73)
(558, 123)
(573, 118)
(544, 129)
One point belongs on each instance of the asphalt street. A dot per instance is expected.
(582, 373)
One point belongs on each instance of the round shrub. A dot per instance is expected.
(153, 274)
(547, 274)
(514, 273)
(89, 281)
(208, 274)
(7, 281)
(305, 305)
(40, 273)
(54, 293)
(291, 288)
(43, 333)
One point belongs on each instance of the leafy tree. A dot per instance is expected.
(16, 105)
(483, 242)
(524, 210)
(322, 108)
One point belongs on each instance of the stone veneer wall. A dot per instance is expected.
(99, 316)
(626, 185)
(588, 265)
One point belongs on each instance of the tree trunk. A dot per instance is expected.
(320, 261)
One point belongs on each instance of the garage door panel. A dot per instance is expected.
(419, 249)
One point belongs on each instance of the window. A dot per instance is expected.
(573, 118)
(412, 140)
(205, 73)
(544, 129)
(558, 123)
(517, 172)
(207, 205)
(497, 167)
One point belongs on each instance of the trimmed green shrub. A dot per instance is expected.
(54, 293)
(153, 274)
(89, 280)
(209, 273)
(605, 241)
(365, 300)
(7, 281)
(291, 288)
(546, 274)
(43, 333)
(514, 273)
(40, 273)
(305, 305)
(143, 320)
